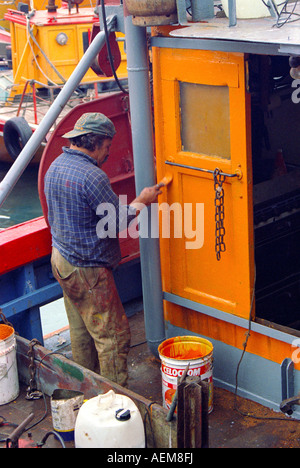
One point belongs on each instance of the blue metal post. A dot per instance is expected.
(142, 139)
(232, 12)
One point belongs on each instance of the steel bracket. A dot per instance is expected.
(116, 11)
(287, 379)
(273, 8)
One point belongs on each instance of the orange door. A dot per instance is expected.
(202, 124)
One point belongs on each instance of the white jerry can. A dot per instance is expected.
(109, 421)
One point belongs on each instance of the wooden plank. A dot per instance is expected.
(192, 426)
(53, 370)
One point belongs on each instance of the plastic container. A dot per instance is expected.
(9, 380)
(65, 405)
(175, 354)
(249, 9)
(109, 421)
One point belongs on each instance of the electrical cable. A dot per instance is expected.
(5, 423)
(281, 19)
(138, 344)
(56, 435)
(109, 49)
(245, 344)
(29, 31)
(45, 401)
(148, 414)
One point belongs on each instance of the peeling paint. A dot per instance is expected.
(70, 369)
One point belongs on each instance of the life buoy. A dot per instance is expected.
(16, 133)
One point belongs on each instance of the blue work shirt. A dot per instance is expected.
(75, 187)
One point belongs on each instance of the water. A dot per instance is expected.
(53, 317)
(21, 205)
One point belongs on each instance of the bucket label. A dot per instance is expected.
(192, 372)
(64, 413)
(169, 390)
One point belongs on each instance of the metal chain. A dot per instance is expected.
(32, 392)
(5, 321)
(219, 179)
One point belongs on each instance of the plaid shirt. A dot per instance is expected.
(75, 187)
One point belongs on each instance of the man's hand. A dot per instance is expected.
(147, 196)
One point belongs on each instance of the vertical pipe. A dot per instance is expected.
(202, 9)
(34, 102)
(232, 12)
(142, 140)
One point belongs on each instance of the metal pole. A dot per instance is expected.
(232, 12)
(55, 109)
(142, 140)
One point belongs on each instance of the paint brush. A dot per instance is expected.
(165, 181)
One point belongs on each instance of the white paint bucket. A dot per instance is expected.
(65, 405)
(175, 354)
(9, 381)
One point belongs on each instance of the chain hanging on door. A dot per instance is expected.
(219, 179)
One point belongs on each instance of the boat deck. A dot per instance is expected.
(228, 428)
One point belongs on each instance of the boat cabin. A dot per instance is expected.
(227, 115)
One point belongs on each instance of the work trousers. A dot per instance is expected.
(99, 329)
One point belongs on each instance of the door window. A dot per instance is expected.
(205, 119)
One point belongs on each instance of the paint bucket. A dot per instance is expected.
(9, 381)
(175, 354)
(65, 405)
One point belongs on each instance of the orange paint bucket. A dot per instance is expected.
(175, 354)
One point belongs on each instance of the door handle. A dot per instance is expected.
(238, 173)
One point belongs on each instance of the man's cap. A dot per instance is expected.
(92, 122)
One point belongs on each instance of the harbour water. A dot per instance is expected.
(21, 205)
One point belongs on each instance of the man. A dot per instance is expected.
(82, 262)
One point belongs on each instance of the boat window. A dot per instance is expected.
(205, 119)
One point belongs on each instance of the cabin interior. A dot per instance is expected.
(276, 189)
